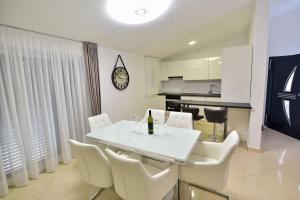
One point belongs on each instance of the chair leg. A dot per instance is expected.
(178, 190)
(214, 137)
(209, 190)
(96, 194)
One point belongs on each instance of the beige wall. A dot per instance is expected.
(120, 105)
(259, 41)
(284, 35)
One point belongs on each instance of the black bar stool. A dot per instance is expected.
(194, 111)
(216, 117)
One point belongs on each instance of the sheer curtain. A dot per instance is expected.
(44, 102)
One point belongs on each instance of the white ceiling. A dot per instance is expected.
(206, 21)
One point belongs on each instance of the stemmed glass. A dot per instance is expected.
(140, 124)
(156, 126)
(134, 122)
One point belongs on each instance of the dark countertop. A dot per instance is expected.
(216, 104)
(190, 94)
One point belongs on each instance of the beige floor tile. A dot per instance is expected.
(271, 175)
(282, 181)
(252, 188)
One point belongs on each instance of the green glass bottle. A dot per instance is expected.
(150, 123)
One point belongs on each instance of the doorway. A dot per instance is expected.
(283, 95)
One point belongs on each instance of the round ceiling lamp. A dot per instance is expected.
(136, 11)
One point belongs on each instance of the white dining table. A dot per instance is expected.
(168, 143)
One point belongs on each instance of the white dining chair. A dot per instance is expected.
(208, 166)
(180, 120)
(93, 165)
(99, 121)
(135, 180)
(156, 114)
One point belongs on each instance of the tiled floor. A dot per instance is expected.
(271, 175)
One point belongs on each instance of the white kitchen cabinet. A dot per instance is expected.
(236, 74)
(152, 83)
(196, 69)
(214, 69)
(164, 71)
(174, 68)
(160, 102)
(214, 99)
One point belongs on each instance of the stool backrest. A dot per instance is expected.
(215, 116)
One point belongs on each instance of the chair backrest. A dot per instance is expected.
(93, 164)
(228, 147)
(99, 121)
(215, 116)
(180, 120)
(156, 114)
(131, 180)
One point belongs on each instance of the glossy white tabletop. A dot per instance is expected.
(168, 143)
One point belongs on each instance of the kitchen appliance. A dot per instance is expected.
(171, 103)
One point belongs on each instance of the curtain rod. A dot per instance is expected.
(61, 37)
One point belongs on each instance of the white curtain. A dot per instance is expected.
(44, 101)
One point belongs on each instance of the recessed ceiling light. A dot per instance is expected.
(192, 42)
(136, 11)
(141, 11)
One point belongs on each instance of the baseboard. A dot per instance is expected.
(254, 150)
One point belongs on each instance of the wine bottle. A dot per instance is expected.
(150, 123)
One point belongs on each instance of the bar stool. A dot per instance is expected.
(194, 111)
(216, 117)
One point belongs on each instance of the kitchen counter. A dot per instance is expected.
(215, 104)
(190, 94)
(224, 105)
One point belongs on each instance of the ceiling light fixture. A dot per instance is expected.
(192, 42)
(136, 11)
(141, 11)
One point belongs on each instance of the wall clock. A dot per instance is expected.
(120, 76)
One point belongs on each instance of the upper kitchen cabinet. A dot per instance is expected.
(196, 69)
(164, 71)
(214, 69)
(152, 76)
(174, 68)
(236, 74)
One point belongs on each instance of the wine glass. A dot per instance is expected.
(139, 123)
(133, 122)
(156, 125)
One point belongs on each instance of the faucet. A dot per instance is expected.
(211, 86)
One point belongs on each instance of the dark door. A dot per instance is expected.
(283, 95)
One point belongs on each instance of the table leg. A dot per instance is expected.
(225, 124)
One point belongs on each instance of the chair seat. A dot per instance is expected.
(151, 169)
(199, 117)
(197, 159)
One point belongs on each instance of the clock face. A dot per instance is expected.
(120, 78)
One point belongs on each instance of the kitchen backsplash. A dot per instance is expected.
(179, 85)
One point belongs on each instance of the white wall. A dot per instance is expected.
(284, 34)
(212, 50)
(259, 41)
(117, 104)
